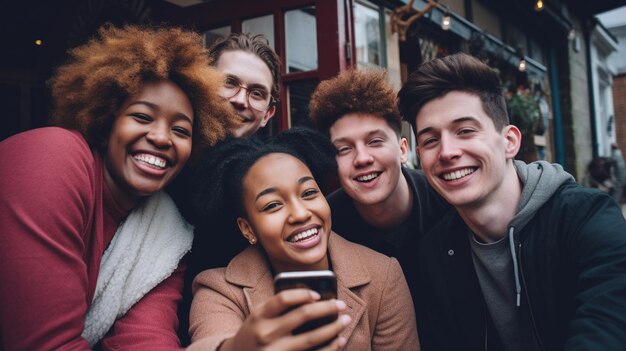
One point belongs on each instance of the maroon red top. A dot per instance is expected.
(57, 217)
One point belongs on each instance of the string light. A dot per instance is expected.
(522, 65)
(446, 21)
(38, 42)
(539, 5)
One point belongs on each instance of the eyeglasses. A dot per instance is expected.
(258, 98)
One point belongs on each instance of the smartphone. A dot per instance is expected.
(324, 282)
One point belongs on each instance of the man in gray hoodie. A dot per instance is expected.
(529, 260)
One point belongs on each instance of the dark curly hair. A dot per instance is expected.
(457, 72)
(101, 75)
(256, 44)
(361, 91)
(215, 188)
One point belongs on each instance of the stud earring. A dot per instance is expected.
(252, 241)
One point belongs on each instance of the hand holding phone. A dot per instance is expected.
(265, 328)
(323, 282)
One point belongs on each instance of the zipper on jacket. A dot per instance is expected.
(530, 307)
(485, 322)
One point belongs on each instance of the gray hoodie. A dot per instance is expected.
(541, 179)
(493, 264)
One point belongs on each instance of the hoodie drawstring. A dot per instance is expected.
(518, 286)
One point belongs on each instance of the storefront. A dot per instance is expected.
(318, 39)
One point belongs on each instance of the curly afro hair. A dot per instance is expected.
(354, 91)
(112, 67)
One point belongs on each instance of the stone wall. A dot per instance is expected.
(578, 131)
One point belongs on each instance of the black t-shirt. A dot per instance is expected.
(401, 242)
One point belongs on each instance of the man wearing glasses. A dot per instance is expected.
(252, 71)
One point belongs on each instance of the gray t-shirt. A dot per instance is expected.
(494, 267)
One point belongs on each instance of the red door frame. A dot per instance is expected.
(334, 33)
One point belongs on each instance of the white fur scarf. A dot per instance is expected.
(145, 250)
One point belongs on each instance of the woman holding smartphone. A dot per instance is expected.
(269, 189)
(89, 244)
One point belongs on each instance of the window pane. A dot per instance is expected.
(301, 38)
(299, 95)
(260, 25)
(367, 36)
(210, 36)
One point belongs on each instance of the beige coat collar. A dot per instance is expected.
(251, 270)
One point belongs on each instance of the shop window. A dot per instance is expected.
(211, 35)
(367, 36)
(299, 93)
(301, 40)
(260, 25)
(375, 44)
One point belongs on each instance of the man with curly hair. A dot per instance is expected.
(382, 204)
(90, 244)
(252, 81)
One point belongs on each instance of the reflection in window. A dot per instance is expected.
(301, 39)
(260, 25)
(210, 36)
(367, 36)
(299, 95)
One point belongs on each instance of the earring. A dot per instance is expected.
(252, 241)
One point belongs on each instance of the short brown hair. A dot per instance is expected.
(101, 75)
(360, 91)
(256, 44)
(457, 72)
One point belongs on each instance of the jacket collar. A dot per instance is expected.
(251, 270)
(459, 276)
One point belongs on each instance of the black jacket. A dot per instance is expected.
(572, 259)
(402, 242)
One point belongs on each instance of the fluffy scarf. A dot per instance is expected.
(145, 250)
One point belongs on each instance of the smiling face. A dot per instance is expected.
(464, 157)
(250, 71)
(150, 142)
(286, 212)
(369, 158)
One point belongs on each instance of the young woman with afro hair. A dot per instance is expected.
(91, 245)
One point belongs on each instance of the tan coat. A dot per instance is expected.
(371, 284)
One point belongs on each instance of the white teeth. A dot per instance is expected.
(458, 174)
(151, 160)
(304, 235)
(368, 177)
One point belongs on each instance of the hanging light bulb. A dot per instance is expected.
(539, 5)
(522, 65)
(446, 21)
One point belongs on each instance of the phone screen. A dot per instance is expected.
(324, 282)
